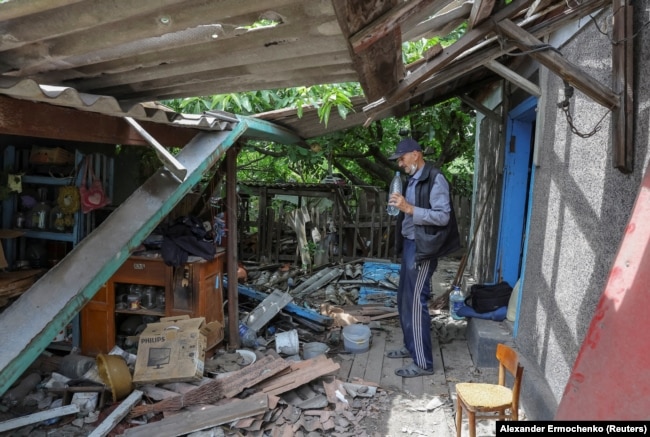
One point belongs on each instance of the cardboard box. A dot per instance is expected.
(50, 155)
(172, 350)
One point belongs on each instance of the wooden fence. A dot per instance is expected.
(348, 222)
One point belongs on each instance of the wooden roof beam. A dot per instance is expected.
(467, 41)
(442, 23)
(379, 65)
(481, 11)
(391, 19)
(537, 6)
(478, 106)
(513, 77)
(41, 120)
(560, 66)
(486, 51)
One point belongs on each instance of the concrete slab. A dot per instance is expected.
(482, 339)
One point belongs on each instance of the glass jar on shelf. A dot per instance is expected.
(149, 295)
(40, 215)
(39, 210)
(19, 220)
(57, 221)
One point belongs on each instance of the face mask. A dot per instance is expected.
(412, 169)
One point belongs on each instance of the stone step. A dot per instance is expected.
(483, 337)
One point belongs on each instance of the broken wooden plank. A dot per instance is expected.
(392, 18)
(157, 393)
(210, 416)
(250, 376)
(117, 415)
(217, 389)
(384, 316)
(481, 11)
(516, 79)
(38, 417)
(300, 373)
(451, 53)
(330, 389)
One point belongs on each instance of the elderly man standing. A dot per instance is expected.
(426, 229)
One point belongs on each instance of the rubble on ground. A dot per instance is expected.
(252, 391)
(270, 396)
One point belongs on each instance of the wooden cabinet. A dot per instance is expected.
(194, 289)
(201, 276)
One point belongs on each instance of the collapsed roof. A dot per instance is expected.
(115, 57)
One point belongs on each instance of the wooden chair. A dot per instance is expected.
(482, 401)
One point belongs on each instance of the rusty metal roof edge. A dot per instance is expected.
(28, 89)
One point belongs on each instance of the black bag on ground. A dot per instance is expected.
(485, 298)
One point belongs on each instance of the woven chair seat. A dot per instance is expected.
(484, 395)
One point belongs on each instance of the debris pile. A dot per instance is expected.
(293, 298)
(270, 396)
(262, 389)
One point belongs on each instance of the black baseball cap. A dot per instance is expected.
(405, 146)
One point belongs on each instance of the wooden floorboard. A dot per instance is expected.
(452, 364)
(376, 357)
(389, 380)
(390, 338)
(358, 370)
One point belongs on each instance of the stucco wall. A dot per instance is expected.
(581, 205)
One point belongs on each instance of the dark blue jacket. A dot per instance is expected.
(430, 241)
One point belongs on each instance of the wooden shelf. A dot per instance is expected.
(142, 312)
(48, 235)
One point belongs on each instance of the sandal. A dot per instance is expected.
(412, 370)
(398, 353)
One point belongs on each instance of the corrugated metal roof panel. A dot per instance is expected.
(28, 89)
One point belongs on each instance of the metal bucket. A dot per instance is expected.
(287, 342)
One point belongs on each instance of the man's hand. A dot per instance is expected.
(399, 202)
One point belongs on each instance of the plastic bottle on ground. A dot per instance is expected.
(456, 302)
(395, 187)
(247, 336)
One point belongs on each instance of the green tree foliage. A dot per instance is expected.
(446, 131)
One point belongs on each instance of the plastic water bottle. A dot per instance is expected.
(456, 302)
(247, 336)
(395, 187)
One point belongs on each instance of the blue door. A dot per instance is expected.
(517, 182)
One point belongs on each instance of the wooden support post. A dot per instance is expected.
(623, 84)
(264, 231)
(232, 263)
